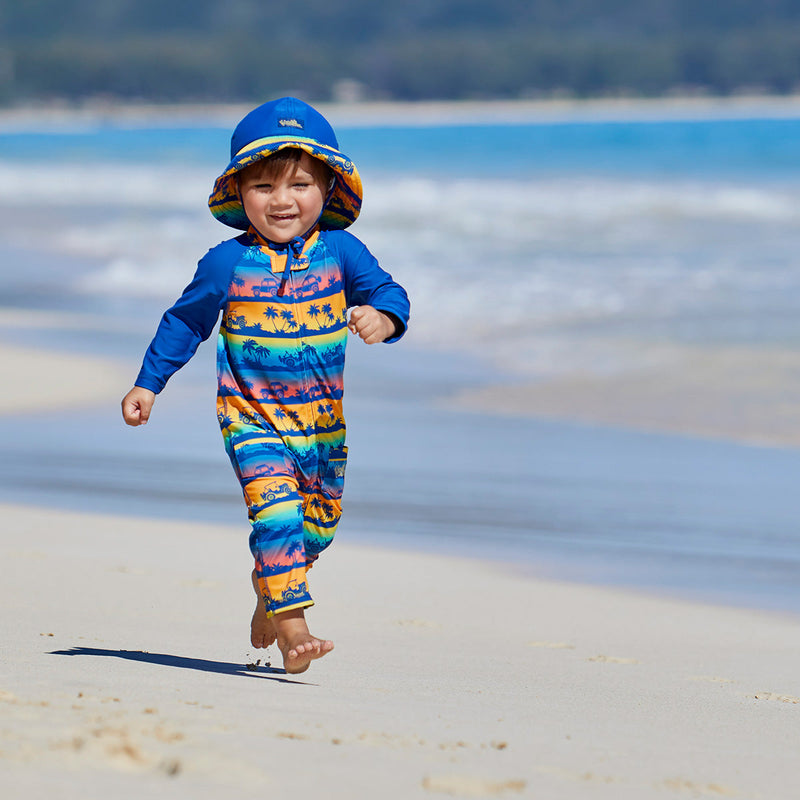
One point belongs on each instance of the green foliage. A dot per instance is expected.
(179, 50)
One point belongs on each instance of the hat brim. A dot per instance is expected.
(342, 208)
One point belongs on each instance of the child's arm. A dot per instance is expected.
(371, 325)
(137, 404)
(371, 290)
(191, 319)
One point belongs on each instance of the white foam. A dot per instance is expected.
(104, 184)
(488, 263)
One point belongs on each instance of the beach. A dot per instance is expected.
(129, 672)
(127, 669)
(740, 394)
(567, 566)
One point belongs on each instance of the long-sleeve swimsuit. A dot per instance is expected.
(280, 361)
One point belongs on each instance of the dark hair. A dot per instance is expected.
(281, 161)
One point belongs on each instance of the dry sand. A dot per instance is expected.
(435, 112)
(124, 673)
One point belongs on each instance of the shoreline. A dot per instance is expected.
(111, 686)
(683, 390)
(738, 394)
(587, 502)
(43, 381)
(416, 113)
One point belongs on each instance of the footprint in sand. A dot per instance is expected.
(200, 584)
(418, 623)
(780, 698)
(698, 789)
(463, 786)
(569, 775)
(613, 660)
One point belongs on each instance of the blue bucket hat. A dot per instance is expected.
(287, 122)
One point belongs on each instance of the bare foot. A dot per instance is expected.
(262, 629)
(298, 646)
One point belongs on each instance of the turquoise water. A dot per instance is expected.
(676, 229)
(721, 148)
(524, 247)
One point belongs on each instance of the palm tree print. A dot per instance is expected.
(288, 319)
(271, 314)
(295, 548)
(295, 418)
(255, 352)
(282, 357)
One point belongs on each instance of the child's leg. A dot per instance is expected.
(279, 579)
(289, 531)
(262, 629)
(321, 510)
(322, 507)
(297, 644)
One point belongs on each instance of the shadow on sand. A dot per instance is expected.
(182, 662)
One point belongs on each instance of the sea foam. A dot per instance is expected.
(492, 265)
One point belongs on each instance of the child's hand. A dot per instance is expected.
(371, 325)
(136, 405)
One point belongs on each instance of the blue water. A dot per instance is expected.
(528, 250)
(764, 148)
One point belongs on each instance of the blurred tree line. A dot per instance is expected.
(237, 50)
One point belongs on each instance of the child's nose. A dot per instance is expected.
(280, 195)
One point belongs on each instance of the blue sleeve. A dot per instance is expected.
(366, 283)
(191, 319)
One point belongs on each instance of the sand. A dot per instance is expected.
(435, 112)
(737, 393)
(36, 380)
(125, 672)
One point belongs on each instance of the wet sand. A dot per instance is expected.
(50, 382)
(741, 394)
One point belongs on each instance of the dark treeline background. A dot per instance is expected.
(236, 50)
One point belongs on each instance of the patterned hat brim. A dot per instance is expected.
(341, 210)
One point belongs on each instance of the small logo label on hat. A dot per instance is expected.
(290, 123)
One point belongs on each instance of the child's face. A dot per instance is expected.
(282, 205)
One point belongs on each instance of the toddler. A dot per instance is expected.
(284, 288)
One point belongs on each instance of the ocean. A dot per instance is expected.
(531, 249)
